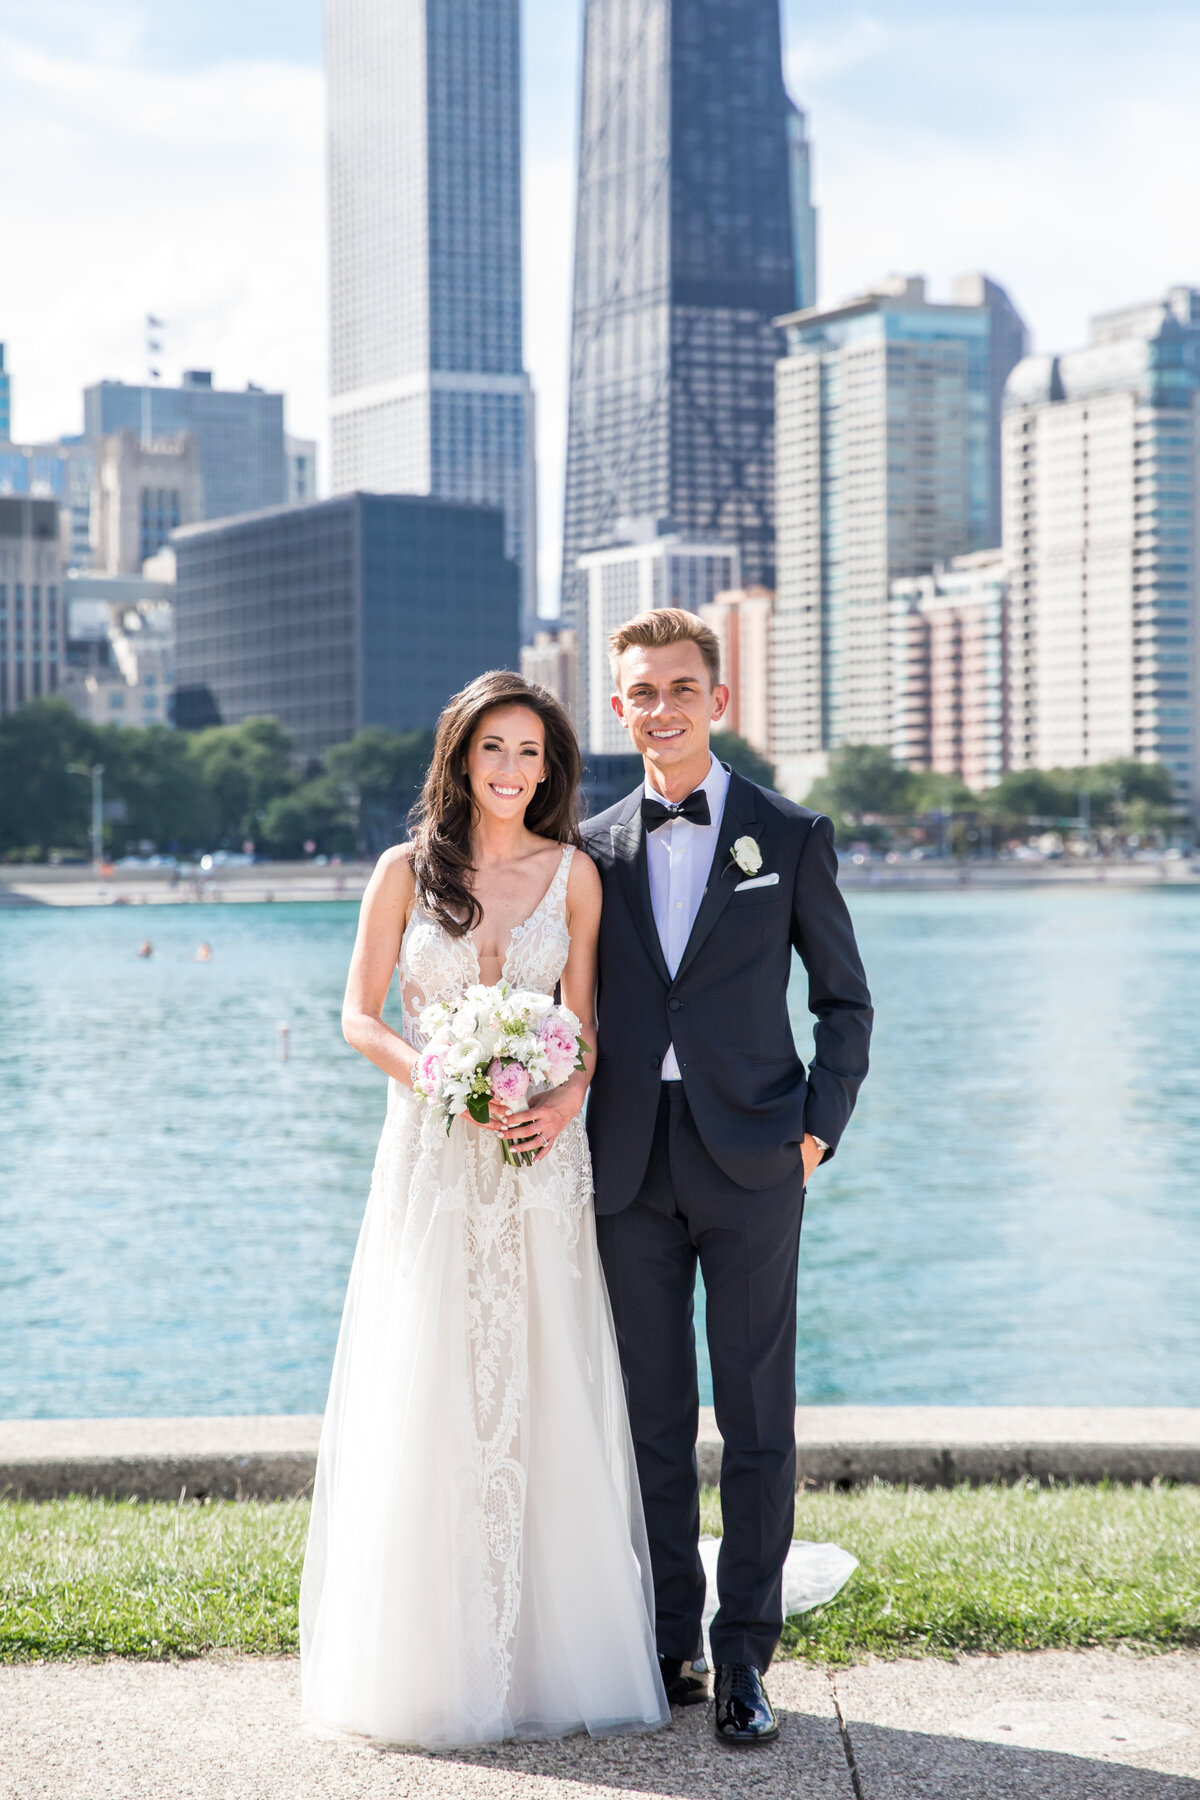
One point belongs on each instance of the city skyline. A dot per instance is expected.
(1073, 123)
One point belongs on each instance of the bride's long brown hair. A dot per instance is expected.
(441, 835)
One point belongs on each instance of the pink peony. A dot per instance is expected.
(509, 1083)
(427, 1075)
(562, 1050)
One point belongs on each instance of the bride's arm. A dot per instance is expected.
(548, 1115)
(385, 909)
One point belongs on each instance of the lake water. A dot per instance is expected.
(1014, 1215)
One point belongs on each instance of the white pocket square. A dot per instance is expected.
(758, 881)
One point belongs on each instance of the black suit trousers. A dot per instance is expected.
(746, 1244)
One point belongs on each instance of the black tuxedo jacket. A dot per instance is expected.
(726, 1010)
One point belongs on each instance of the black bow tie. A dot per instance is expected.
(695, 808)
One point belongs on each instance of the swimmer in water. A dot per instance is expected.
(204, 953)
(145, 948)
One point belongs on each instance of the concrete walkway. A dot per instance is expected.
(1049, 1726)
(935, 1446)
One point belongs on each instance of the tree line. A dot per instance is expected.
(233, 785)
(189, 792)
(873, 798)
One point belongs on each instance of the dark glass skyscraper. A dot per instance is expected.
(684, 253)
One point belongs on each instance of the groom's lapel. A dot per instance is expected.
(737, 820)
(629, 860)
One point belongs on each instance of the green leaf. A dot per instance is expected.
(477, 1106)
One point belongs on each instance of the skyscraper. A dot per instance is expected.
(887, 456)
(428, 389)
(1102, 543)
(5, 399)
(685, 251)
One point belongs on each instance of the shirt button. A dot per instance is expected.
(679, 906)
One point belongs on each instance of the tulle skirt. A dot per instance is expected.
(477, 1565)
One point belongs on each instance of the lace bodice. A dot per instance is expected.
(435, 966)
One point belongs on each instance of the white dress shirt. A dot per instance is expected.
(679, 856)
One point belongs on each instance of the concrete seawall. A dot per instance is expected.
(838, 1446)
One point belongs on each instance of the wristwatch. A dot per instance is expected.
(822, 1146)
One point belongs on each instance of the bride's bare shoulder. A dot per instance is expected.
(583, 883)
(393, 882)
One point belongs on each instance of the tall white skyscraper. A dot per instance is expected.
(428, 389)
(1102, 541)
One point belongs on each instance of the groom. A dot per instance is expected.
(704, 1128)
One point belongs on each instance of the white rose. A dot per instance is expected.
(747, 855)
(463, 1056)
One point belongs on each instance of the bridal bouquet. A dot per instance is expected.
(496, 1044)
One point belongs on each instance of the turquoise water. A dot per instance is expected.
(1014, 1215)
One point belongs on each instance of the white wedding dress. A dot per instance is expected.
(477, 1565)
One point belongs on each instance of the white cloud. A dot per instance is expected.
(197, 196)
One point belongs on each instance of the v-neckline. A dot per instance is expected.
(517, 931)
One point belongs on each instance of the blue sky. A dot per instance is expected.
(170, 158)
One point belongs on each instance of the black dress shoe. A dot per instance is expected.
(745, 1717)
(686, 1682)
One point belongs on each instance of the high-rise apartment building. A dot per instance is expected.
(694, 230)
(950, 669)
(142, 493)
(887, 447)
(428, 389)
(239, 435)
(369, 609)
(32, 623)
(1102, 466)
(62, 472)
(628, 578)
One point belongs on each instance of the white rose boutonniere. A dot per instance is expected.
(747, 855)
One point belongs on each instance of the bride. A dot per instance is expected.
(477, 1565)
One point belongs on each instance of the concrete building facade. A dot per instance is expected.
(1102, 466)
(368, 609)
(120, 649)
(33, 567)
(429, 393)
(552, 660)
(887, 447)
(239, 435)
(141, 494)
(949, 656)
(741, 619)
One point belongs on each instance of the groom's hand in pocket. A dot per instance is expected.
(812, 1153)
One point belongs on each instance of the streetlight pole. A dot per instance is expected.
(96, 771)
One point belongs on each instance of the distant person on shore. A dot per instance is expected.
(204, 953)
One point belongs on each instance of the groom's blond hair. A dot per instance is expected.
(661, 626)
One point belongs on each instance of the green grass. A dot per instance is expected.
(122, 1578)
(997, 1568)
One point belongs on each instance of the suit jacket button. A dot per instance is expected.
(674, 1005)
(656, 1062)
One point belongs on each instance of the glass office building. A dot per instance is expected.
(428, 389)
(5, 399)
(239, 435)
(369, 609)
(685, 251)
